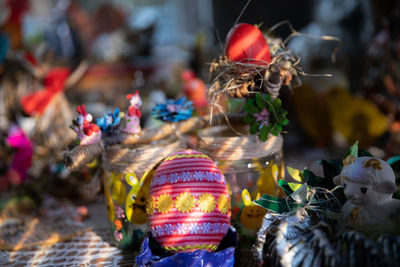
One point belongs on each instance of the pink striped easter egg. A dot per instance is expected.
(189, 204)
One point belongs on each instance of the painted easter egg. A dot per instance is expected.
(189, 203)
(246, 43)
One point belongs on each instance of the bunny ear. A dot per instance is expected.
(246, 197)
(81, 109)
(131, 179)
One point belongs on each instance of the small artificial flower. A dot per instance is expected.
(224, 204)
(185, 202)
(119, 212)
(118, 235)
(164, 203)
(118, 224)
(174, 111)
(151, 206)
(265, 115)
(262, 117)
(206, 202)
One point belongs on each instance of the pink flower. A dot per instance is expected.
(263, 117)
(119, 212)
(118, 235)
(172, 108)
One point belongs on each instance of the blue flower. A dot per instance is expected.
(109, 122)
(174, 111)
(169, 229)
(173, 178)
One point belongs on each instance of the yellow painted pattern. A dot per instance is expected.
(193, 247)
(187, 156)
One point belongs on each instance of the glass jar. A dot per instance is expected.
(251, 168)
(128, 173)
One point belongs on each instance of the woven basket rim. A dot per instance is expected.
(139, 158)
(236, 147)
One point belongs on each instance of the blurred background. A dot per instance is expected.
(58, 54)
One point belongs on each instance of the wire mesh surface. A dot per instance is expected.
(92, 248)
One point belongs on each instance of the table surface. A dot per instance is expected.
(93, 248)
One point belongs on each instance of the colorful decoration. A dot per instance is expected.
(88, 133)
(11, 19)
(22, 159)
(245, 43)
(194, 89)
(135, 204)
(311, 225)
(185, 202)
(149, 254)
(126, 211)
(251, 215)
(54, 83)
(265, 115)
(131, 121)
(369, 184)
(189, 204)
(267, 182)
(174, 111)
(109, 123)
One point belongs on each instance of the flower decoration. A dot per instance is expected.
(109, 122)
(265, 115)
(151, 206)
(164, 203)
(223, 204)
(185, 202)
(119, 212)
(118, 235)
(174, 111)
(118, 224)
(207, 202)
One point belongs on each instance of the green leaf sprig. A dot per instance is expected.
(261, 107)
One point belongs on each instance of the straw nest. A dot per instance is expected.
(239, 79)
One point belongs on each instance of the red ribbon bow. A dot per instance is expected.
(54, 83)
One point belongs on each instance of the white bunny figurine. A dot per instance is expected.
(369, 184)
